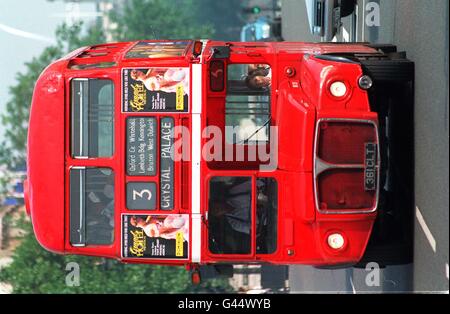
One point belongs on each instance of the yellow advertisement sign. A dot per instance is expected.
(155, 236)
(180, 97)
(179, 244)
(156, 89)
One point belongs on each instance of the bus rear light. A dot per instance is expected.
(340, 189)
(196, 278)
(197, 48)
(336, 241)
(344, 142)
(216, 77)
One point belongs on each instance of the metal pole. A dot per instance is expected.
(353, 37)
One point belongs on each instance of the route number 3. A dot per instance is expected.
(142, 194)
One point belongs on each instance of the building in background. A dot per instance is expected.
(260, 279)
(100, 16)
(11, 185)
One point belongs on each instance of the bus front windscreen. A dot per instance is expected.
(91, 206)
(92, 118)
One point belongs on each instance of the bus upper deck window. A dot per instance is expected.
(87, 66)
(91, 206)
(92, 108)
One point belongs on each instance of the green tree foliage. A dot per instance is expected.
(35, 270)
(72, 37)
(160, 19)
(225, 16)
(15, 118)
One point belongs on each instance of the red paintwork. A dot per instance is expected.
(298, 101)
(45, 188)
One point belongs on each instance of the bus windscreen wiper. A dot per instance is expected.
(253, 134)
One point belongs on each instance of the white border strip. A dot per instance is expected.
(196, 110)
(425, 229)
(195, 188)
(196, 155)
(196, 238)
(196, 102)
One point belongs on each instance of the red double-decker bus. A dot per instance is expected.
(206, 152)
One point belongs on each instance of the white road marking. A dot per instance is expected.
(353, 286)
(345, 35)
(446, 270)
(425, 229)
(20, 33)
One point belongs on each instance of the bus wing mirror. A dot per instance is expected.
(220, 52)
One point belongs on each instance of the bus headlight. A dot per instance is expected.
(338, 89)
(336, 241)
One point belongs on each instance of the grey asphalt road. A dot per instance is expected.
(421, 29)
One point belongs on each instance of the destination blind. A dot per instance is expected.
(166, 174)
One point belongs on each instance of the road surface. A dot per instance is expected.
(421, 29)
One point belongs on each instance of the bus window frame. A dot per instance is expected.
(86, 244)
(220, 97)
(70, 121)
(253, 255)
(277, 242)
(226, 256)
(161, 43)
(269, 112)
(113, 162)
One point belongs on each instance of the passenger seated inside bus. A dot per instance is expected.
(259, 77)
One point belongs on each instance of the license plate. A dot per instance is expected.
(370, 170)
